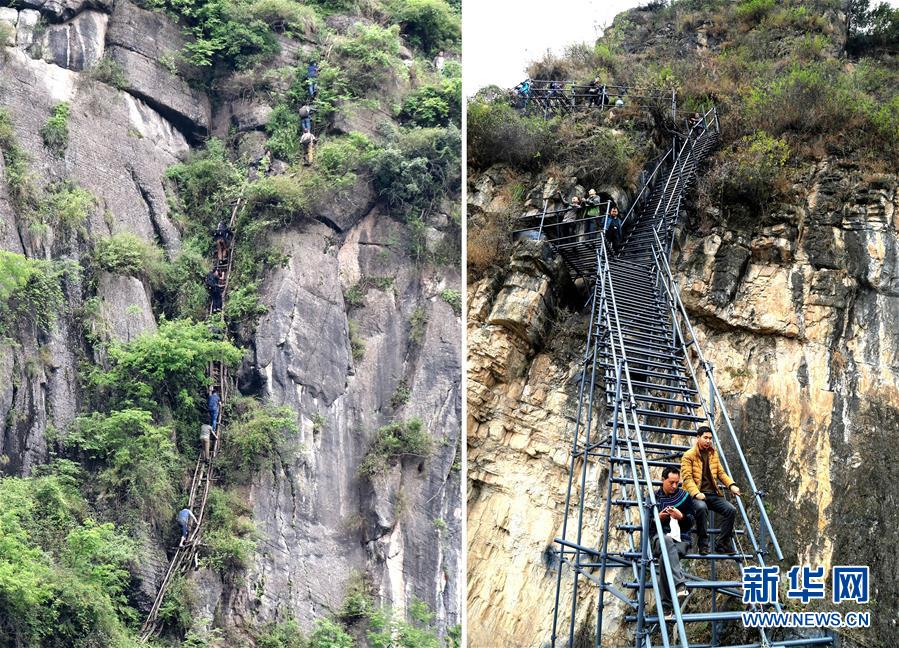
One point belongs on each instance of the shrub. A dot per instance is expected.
(418, 169)
(180, 598)
(229, 533)
(286, 634)
(139, 460)
(206, 186)
(222, 32)
(433, 105)
(66, 206)
(109, 72)
(19, 182)
(431, 25)
(600, 155)
(63, 577)
(167, 368)
(752, 11)
(129, 254)
(29, 291)
(391, 631)
(418, 323)
(393, 442)
(287, 16)
(357, 344)
(453, 298)
(497, 133)
(369, 56)
(328, 634)
(55, 132)
(401, 395)
(257, 433)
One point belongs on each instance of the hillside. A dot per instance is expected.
(127, 132)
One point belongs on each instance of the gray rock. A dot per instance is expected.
(74, 45)
(348, 207)
(372, 122)
(188, 109)
(57, 10)
(124, 306)
(250, 115)
(28, 19)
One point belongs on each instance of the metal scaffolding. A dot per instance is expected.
(640, 400)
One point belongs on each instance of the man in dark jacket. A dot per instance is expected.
(676, 514)
(214, 286)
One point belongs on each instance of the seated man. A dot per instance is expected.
(701, 470)
(676, 514)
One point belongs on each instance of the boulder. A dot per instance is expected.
(61, 10)
(75, 45)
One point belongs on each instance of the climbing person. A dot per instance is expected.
(305, 113)
(701, 470)
(569, 225)
(308, 142)
(593, 213)
(214, 403)
(439, 62)
(312, 79)
(613, 222)
(185, 516)
(676, 516)
(205, 432)
(222, 236)
(523, 91)
(214, 286)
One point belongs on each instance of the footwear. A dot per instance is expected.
(682, 591)
(703, 549)
(727, 551)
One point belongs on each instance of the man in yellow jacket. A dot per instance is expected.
(701, 471)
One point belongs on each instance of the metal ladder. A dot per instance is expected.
(644, 365)
(186, 556)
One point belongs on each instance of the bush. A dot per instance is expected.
(63, 578)
(22, 192)
(419, 168)
(286, 634)
(748, 177)
(206, 186)
(139, 461)
(369, 57)
(431, 25)
(497, 133)
(435, 105)
(66, 206)
(29, 291)
(287, 16)
(752, 11)
(229, 533)
(392, 443)
(165, 368)
(357, 344)
(328, 634)
(109, 72)
(222, 31)
(257, 433)
(454, 299)
(55, 132)
(129, 254)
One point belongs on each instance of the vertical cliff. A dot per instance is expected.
(345, 308)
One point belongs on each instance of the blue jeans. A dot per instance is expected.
(306, 123)
(214, 415)
(184, 528)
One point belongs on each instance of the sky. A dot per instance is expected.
(500, 37)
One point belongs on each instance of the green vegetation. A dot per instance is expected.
(357, 344)
(429, 24)
(63, 577)
(223, 32)
(55, 132)
(393, 442)
(139, 461)
(453, 298)
(257, 433)
(19, 182)
(435, 105)
(128, 254)
(369, 56)
(109, 72)
(287, 17)
(29, 291)
(498, 133)
(229, 535)
(401, 395)
(418, 323)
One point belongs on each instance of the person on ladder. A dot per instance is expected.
(205, 432)
(185, 516)
(222, 236)
(214, 403)
(214, 286)
(308, 142)
(701, 470)
(676, 515)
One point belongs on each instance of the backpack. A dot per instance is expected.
(304, 111)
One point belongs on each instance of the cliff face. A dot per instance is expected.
(795, 311)
(317, 520)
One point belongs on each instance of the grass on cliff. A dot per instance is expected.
(392, 443)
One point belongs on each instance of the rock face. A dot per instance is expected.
(796, 311)
(318, 519)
